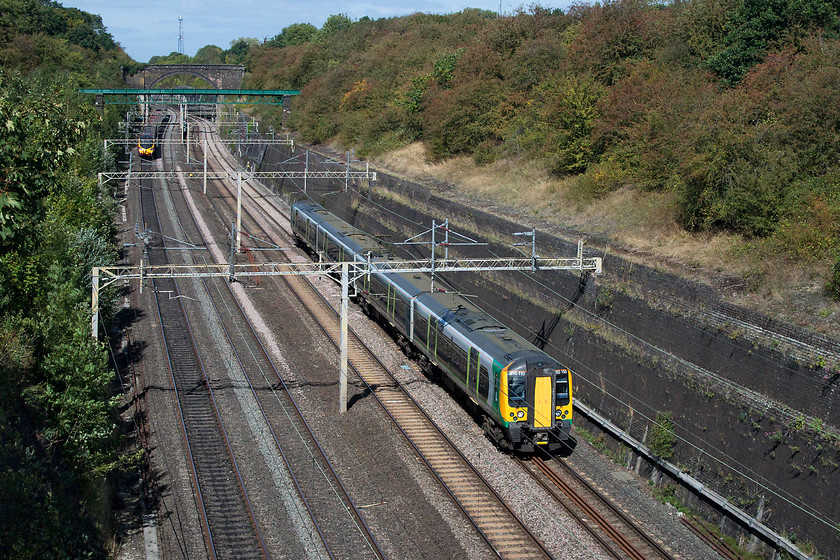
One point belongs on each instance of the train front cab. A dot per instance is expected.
(538, 403)
(146, 146)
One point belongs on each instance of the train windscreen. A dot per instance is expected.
(562, 387)
(146, 141)
(516, 388)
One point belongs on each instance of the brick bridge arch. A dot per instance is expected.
(221, 76)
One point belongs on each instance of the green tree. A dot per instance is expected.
(759, 25)
(55, 401)
(239, 49)
(209, 54)
(295, 34)
(336, 23)
(38, 140)
(87, 30)
(575, 113)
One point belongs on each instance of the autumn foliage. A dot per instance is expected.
(732, 105)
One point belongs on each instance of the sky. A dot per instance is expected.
(145, 28)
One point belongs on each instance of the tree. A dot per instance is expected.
(38, 142)
(295, 34)
(239, 50)
(336, 23)
(87, 30)
(759, 25)
(209, 54)
(55, 406)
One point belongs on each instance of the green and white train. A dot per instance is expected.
(524, 396)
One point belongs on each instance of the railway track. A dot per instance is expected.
(608, 524)
(227, 519)
(341, 532)
(487, 511)
(710, 539)
(339, 525)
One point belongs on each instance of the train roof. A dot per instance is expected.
(453, 309)
(465, 317)
(359, 242)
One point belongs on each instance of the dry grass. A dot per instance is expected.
(640, 222)
(641, 226)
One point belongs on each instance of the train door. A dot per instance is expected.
(391, 300)
(431, 336)
(311, 234)
(539, 395)
(472, 370)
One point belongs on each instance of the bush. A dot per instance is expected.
(832, 287)
(757, 26)
(457, 121)
(661, 439)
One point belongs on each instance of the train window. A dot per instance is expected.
(472, 368)
(400, 308)
(146, 140)
(483, 382)
(561, 387)
(516, 388)
(377, 289)
(449, 353)
(420, 326)
(332, 250)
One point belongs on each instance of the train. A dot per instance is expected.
(521, 395)
(147, 143)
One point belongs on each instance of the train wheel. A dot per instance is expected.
(492, 430)
(405, 345)
(428, 368)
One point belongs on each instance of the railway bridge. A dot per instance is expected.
(220, 76)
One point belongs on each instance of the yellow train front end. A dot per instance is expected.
(535, 402)
(146, 146)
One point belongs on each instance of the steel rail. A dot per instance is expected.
(573, 511)
(621, 539)
(344, 496)
(717, 545)
(222, 524)
(589, 511)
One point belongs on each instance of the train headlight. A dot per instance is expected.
(520, 415)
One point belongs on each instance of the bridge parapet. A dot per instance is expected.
(221, 76)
